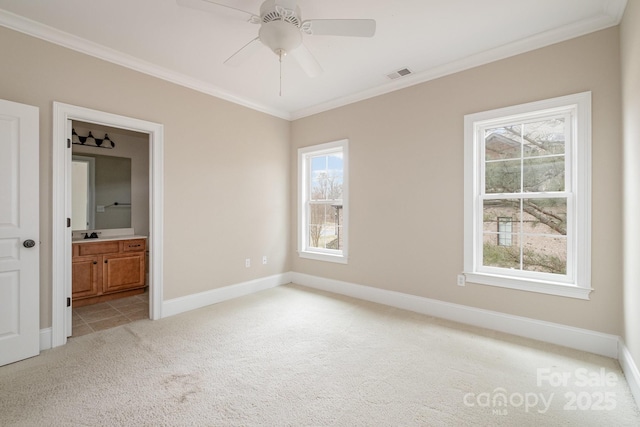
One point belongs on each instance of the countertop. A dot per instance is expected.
(108, 238)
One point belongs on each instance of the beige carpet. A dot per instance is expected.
(291, 356)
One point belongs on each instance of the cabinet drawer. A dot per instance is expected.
(134, 245)
(98, 248)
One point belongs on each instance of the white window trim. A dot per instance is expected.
(304, 251)
(579, 285)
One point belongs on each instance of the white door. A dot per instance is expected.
(19, 234)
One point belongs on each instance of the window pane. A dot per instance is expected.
(543, 174)
(545, 254)
(502, 176)
(545, 216)
(503, 143)
(495, 212)
(495, 255)
(539, 224)
(325, 226)
(501, 225)
(544, 137)
(326, 177)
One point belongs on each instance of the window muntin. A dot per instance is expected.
(527, 201)
(323, 183)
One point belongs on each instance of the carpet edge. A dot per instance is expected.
(549, 332)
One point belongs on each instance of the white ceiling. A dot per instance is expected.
(188, 46)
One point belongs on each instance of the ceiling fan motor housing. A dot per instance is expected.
(280, 10)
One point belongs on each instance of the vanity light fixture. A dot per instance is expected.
(92, 141)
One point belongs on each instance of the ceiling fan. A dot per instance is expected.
(282, 29)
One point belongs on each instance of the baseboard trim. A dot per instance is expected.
(191, 302)
(630, 369)
(567, 336)
(45, 339)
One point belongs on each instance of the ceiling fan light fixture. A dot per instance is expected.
(280, 36)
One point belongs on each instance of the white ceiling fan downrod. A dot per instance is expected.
(281, 53)
(281, 35)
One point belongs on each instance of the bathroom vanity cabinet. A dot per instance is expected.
(107, 269)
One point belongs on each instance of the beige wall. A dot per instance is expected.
(630, 54)
(226, 184)
(230, 171)
(406, 180)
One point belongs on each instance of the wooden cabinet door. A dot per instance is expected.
(123, 271)
(85, 276)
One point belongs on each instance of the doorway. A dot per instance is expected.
(64, 114)
(110, 198)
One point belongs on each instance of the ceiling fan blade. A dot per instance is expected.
(214, 7)
(243, 53)
(340, 27)
(306, 60)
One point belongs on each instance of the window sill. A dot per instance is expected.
(542, 287)
(318, 256)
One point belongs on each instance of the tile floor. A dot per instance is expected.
(105, 315)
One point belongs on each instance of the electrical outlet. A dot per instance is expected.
(461, 280)
(247, 262)
(264, 259)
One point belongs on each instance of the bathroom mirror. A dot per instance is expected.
(101, 192)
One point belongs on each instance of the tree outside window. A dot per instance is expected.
(523, 161)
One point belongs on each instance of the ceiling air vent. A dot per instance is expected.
(400, 73)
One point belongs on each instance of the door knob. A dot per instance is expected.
(28, 243)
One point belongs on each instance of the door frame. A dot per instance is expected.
(61, 205)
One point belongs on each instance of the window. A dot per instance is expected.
(527, 196)
(505, 227)
(322, 183)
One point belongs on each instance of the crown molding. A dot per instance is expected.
(78, 44)
(613, 13)
(613, 10)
